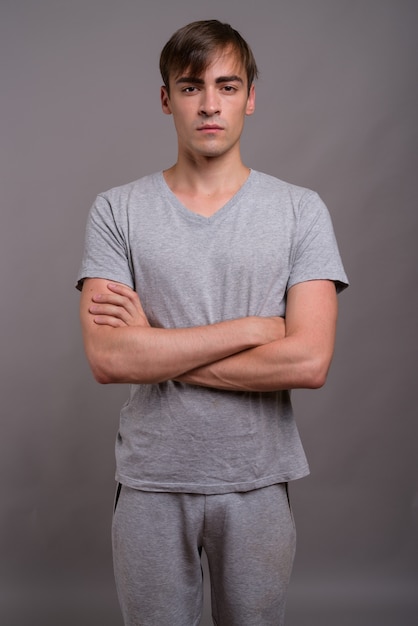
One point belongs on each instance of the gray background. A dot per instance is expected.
(336, 111)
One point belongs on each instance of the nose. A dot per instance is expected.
(209, 104)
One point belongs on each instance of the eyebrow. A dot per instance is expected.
(200, 81)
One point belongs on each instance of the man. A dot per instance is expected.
(211, 289)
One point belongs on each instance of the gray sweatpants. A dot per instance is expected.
(249, 539)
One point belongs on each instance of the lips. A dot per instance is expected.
(210, 127)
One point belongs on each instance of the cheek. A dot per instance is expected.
(181, 125)
(181, 118)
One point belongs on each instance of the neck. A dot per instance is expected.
(207, 175)
(205, 190)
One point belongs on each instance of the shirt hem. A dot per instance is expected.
(213, 489)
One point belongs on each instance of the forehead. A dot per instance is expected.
(222, 62)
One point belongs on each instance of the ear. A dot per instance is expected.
(251, 101)
(165, 100)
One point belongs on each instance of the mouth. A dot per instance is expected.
(210, 128)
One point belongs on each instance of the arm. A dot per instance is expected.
(122, 347)
(299, 360)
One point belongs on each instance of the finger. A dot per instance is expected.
(110, 310)
(108, 320)
(123, 298)
(128, 293)
(130, 304)
(109, 298)
(125, 306)
(123, 290)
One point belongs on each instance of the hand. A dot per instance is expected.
(117, 307)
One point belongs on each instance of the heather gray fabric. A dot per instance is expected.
(191, 270)
(249, 539)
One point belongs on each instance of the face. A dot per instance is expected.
(209, 110)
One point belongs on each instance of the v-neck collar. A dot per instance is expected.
(197, 217)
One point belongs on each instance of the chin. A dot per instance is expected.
(215, 151)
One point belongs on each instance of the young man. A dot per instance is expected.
(211, 289)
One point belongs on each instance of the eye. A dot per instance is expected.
(190, 89)
(229, 88)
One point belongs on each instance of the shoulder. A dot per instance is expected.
(126, 202)
(144, 186)
(290, 199)
(268, 184)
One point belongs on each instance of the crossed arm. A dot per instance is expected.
(251, 353)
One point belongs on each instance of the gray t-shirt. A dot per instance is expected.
(192, 270)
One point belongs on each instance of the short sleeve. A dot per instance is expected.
(315, 255)
(106, 249)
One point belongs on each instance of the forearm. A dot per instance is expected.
(282, 364)
(122, 347)
(300, 359)
(252, 353)
(152, 355)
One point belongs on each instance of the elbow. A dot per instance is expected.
(102, 377)
(316, 374)
(315, 381)
(101, 368)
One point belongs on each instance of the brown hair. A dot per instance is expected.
(192, 47)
